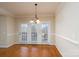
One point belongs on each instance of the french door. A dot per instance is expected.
(34, 33)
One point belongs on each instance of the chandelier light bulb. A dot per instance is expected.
(37, 21)
(31, 21)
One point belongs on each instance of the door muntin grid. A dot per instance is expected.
(24, 32)
(44, 32)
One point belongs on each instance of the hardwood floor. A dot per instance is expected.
(21, 50)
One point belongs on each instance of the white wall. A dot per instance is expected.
(3, 31)
(49, 19)
(11, 34)
(67, 29)
(7, 31)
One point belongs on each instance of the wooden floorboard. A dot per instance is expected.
(21, 50)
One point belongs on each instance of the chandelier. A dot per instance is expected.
(36, 19)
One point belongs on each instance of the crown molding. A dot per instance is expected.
(4, 12)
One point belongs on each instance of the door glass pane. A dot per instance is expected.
(24, 32)
(45, 32)
(33, 33)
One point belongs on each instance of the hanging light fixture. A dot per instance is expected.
(36, 19)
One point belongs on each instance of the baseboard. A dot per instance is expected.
(6, 45)
(35, 43)
(59, 51)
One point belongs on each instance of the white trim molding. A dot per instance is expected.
(66, 38)
(5, 45)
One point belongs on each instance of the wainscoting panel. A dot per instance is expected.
(67, 47)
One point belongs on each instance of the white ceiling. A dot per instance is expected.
(27, 8)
